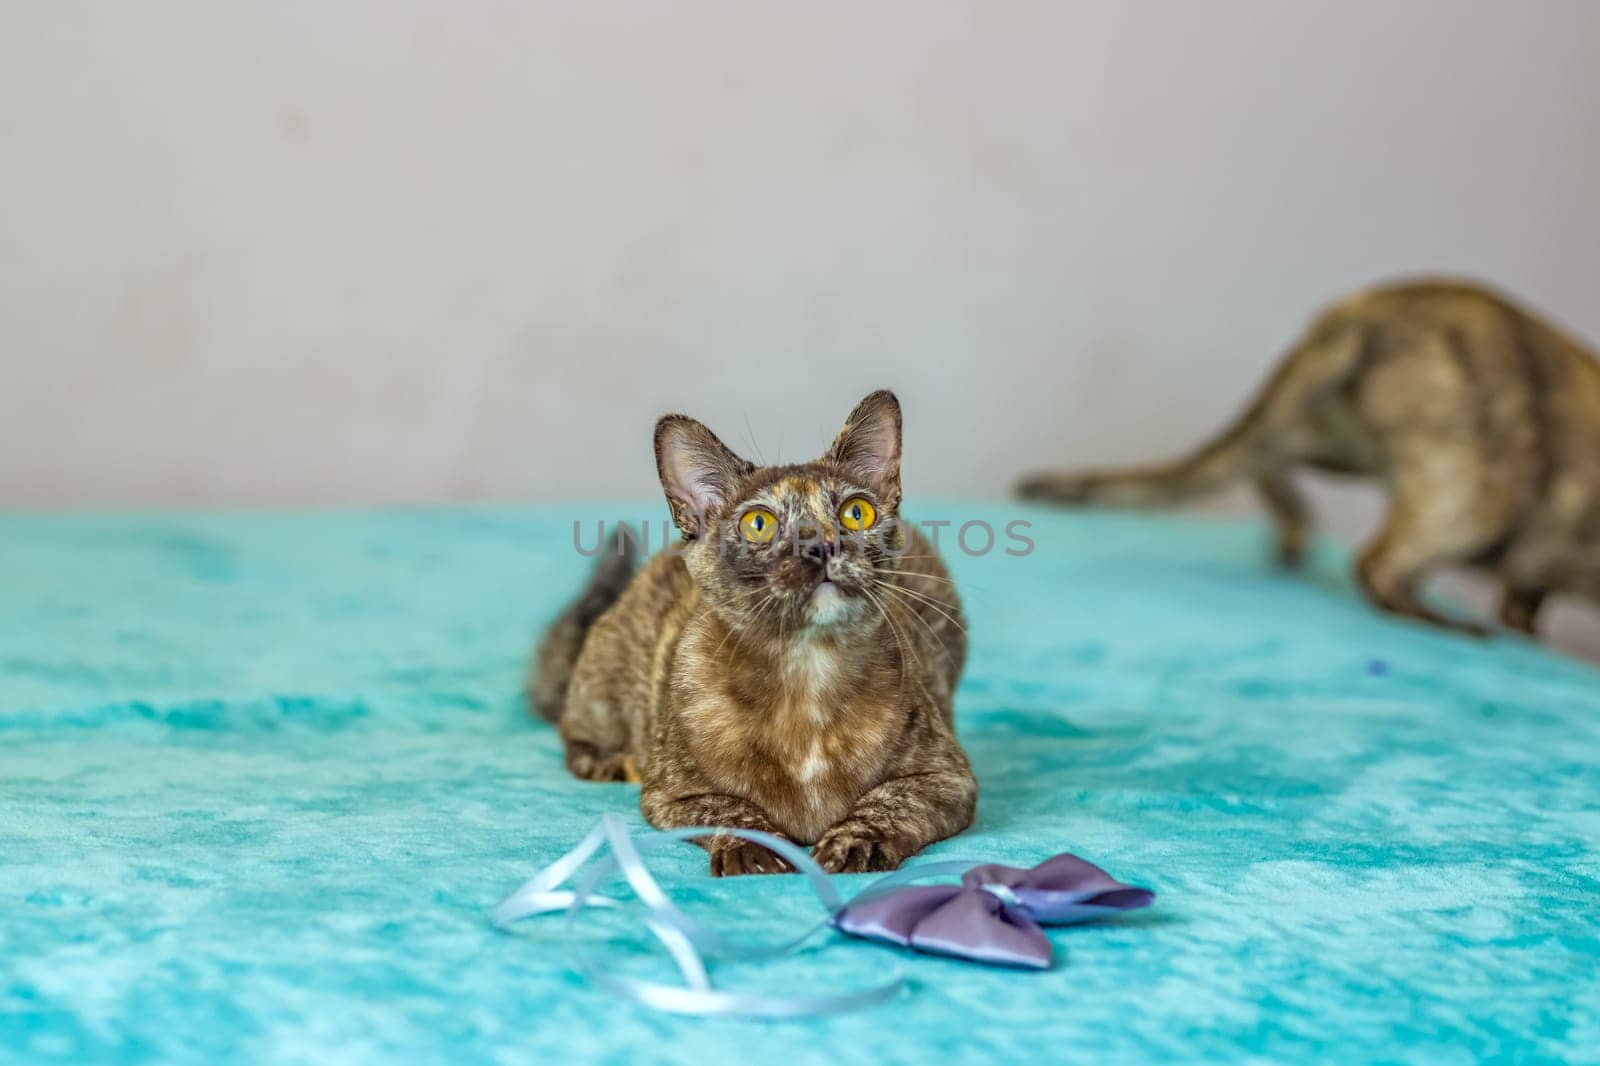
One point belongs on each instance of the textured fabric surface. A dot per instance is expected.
(263, 776)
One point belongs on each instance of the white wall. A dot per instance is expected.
(358, 250)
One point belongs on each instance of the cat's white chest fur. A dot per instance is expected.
(814, 765)
(810, 672)
(811, 677)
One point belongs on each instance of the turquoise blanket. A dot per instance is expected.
(263, 776)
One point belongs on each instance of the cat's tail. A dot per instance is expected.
(558, 651)
(1325, 359)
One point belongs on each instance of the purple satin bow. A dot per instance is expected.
(994, 914)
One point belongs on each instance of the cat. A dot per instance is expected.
(789, 668)
(1481, 418)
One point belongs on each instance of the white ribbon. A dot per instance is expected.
(688, 942)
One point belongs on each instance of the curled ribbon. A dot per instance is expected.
(989, 917)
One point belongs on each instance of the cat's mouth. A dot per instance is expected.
(830, 602)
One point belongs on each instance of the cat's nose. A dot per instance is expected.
(818, 548)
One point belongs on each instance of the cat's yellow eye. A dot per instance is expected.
(758, 525)
(857, 514)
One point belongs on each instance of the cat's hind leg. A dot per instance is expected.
(594, 728)
(595, 752)
(1393, 566)
(590, 763)
(1439, 513)
(1519, 609)
(1291, 514)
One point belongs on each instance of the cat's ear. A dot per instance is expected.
(869, 445)
(697, 471)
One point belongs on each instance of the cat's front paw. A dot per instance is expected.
(731, 857)
(849, 848)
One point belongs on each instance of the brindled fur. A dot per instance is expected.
(1481, 419)
(802, 686)
(558, 651)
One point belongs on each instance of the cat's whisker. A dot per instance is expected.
(929, 601)
(723, 642)
(915, 573)
(750, 435)
(903, 588)
(731, 630)
(761, 608)
(895, 560)
(908, 652)
(962, 585)
(760, 615)
(893, 630)
(938, 642)
(916, 658)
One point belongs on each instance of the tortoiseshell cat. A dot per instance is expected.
(790, 669)
(1482, 419)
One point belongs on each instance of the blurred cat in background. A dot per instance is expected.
(789, 670)
(1481, 418)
